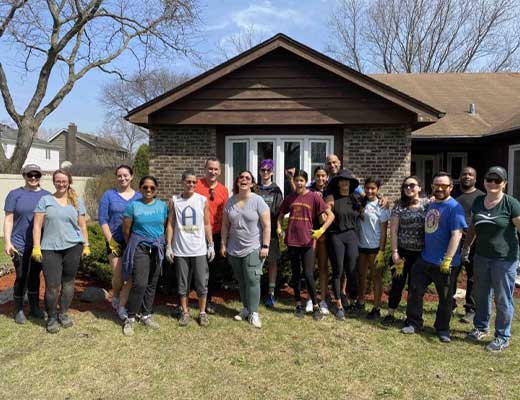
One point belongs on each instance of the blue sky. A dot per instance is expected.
(304, 20)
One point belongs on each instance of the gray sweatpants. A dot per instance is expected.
(192, 267)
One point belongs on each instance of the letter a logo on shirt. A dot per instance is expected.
(189, 219)
(431, 222)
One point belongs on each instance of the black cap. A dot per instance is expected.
(499, 171)
(343, 174)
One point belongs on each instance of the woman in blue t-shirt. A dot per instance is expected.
(144, 221)
(61, 245)
(18, 225)
(111, 207)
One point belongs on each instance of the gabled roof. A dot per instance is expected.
(512, 124)
(496, 97)
(92, 140)
(425, 113)
(9, 135)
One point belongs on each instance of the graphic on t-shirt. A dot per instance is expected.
(486, 219)
(189, 220)
(431, 222)
(297, 212)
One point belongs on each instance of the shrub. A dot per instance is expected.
(94, 190)
(97, 264)
(142, 161)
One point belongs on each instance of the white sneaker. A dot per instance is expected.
(308, 306)
(115, 303)
(254, 319)
(324, 307)
(122, 313)
(242, 315)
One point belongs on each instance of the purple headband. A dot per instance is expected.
(267, 164)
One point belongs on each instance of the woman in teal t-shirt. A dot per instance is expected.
(495, 222)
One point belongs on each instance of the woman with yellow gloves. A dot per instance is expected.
(63, 242)
(111, 207)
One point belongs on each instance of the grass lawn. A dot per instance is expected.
(4, 258)
(287, 359)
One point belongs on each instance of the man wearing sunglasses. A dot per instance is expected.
(217, 196)
(444, 224)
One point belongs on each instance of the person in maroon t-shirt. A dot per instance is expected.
(304, 208)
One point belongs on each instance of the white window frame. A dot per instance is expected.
(278, 153)
(47, 154)
(450, 157)
(511, 163)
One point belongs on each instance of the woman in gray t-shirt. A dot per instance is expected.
(246, 233)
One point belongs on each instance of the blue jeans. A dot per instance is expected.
(491, 274)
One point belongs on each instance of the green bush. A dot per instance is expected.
(142, 161)
(97, 264)
(94, 190)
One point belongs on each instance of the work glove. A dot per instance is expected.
(37, 254)
(316, 233)
(446, 265)
(211, 252)
(380, 259)
(279, 232)
(86, 251)
(398, 268)
(115, 248)
(169, 254)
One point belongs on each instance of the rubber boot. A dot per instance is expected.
(19, 316)
(34, 304)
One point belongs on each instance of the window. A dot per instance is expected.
(246, 152)
(456, 163)
(513, 187)
(47, 154)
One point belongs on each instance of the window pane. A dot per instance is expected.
(264, 152)
(413, 168)
(456, 167)
(428, 175)
(318, 153)
(516, 174)
(239, 158)
(292, 152)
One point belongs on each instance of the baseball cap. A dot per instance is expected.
(499, 171)
(31, 168)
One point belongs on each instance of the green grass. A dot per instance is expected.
(4, 258)
(287, 359)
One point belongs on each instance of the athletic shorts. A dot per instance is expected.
(363, 250)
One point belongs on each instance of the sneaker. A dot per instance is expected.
(317, 315)
(355, 310)
(53, 326)
(344, 301)
(147, 321)
(298, 312)
(389, 319)
(497, 345)
(468, 317)
(122, 313)
(254, 319)
(444, 337)
(176, 312)
(19, 317)
(242, 315)
(340, 314)
(65, 320)
(115, 303)
(374, 314)
(308, 306)
(210, 308)
(324, 307)
(128, 327)
(408, 330)
(269, 301)
(476, 335)
(203, 319)
(185, 319)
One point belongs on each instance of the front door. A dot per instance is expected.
(424, 166)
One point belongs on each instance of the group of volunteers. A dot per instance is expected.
(330, 218)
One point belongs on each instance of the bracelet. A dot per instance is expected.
(265, 246)
(86, 244)
(395, 251)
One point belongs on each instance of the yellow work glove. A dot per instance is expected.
(279, 232)
(86, 251)
(115, 248)
(380, 259)
(316, 233)
(399, 267)
(446, 265)
(37, 254)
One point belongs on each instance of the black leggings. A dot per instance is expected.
(398, 282)
(343, 253)
(303, 256)
(59, 269)
(27, 274)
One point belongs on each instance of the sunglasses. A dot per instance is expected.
(496, 181)
(246, 177)
(212, 194)
(410, 186)
(442, 186)
(265, 170)
(150, 188)
(32, 175)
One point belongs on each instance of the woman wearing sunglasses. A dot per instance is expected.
(407, 239)
(111, 207)
(494, 226)
(246, 234)
(144, 222)
(18, 224)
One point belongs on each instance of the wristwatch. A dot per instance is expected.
(265, 246)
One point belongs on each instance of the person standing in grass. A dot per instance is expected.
(246, 234)
(407, 239)
(342, 238)
(444, 223)
(373, 224)
(110, 214)
(304, 208)
(144, 221)
(60, 246)
(273, 197)
(495, 224)
(18, 227)
(189, 230)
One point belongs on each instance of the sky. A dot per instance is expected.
(303, 20)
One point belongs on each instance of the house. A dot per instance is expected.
(85, 149)
(41, 153)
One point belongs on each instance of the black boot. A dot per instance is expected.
(34, 304)
(19, 316)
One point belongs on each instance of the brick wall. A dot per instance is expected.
(175, 149)
(381, 152)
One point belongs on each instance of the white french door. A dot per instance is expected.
(300, 152)
(424, 166)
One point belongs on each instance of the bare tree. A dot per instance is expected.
(426, 35)
(121, 96)
(74, 37)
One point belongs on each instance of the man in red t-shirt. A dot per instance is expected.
(217, 196)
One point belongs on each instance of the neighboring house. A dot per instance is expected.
(85, 149)
(44, 154)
